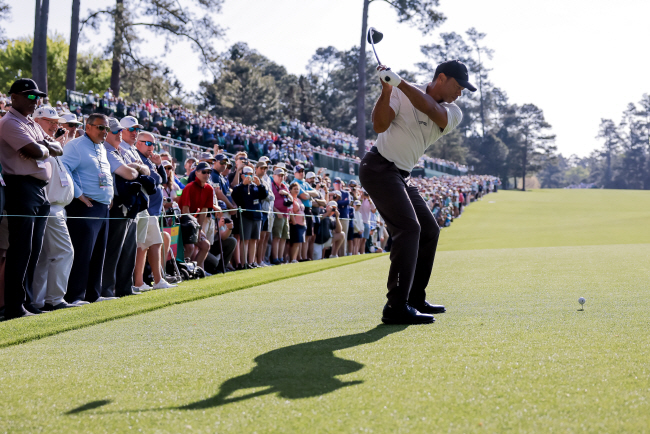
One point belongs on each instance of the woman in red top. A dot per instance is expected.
(297, 224)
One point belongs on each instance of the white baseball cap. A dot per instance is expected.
(70, 118)
(331, 203)
(129, 122)
(47, 112)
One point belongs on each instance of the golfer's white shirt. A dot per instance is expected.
(412, 132)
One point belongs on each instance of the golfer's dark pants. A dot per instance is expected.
(89, 236)
(413, 228)
(25, 196)
(117, 275)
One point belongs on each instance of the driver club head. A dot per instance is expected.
(374, 35)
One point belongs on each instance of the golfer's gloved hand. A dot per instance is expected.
(389, 77)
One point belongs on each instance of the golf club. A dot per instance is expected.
(374, 37)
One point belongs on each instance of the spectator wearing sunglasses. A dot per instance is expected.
(220, 182)
(248, 195)
(137, 233)
(131, 129)
(117, 276)
(55, 260)
(71, 125)
(48, 119)
(150, 248)
(24, 147)
(198, 197)
(203, 157)
(86, 160)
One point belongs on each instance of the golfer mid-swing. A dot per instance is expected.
(410, 118)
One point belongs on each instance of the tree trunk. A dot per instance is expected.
(71, 73)
(361, 90)
(523, 178)
(39, 50)
(118, 45)
(37, 25)
(480, 90)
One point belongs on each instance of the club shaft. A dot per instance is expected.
(375, 51)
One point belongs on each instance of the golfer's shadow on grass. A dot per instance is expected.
(297, 371)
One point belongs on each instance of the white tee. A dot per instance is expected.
(412, 132)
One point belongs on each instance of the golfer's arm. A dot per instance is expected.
(425, 103)
(382, 113)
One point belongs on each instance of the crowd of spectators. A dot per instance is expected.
(87, 200)
(293, 139)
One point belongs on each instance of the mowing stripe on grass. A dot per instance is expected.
(28, 329)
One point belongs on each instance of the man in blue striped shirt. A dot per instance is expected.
(86, 160)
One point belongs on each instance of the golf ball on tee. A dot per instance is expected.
(581, 300)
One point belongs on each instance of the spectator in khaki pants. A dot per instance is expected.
(55, 261)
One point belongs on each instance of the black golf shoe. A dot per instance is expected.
(404, 314)
(429, 308)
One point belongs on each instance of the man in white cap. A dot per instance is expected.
(71, 124)
(119, 263)
(136, 233)
(150, 249)
(50, 121)
(131, 128)
(57, 254)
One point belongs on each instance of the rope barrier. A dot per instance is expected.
(239, 210)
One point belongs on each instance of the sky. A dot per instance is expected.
(578, 60)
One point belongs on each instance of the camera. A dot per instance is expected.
(59, 133)
(168, 199)
(227, 220)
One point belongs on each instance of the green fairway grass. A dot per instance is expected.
(27, 329)
(307, 354)
(546, 218)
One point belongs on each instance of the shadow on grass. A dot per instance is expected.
(89, 406)
(297, 371)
